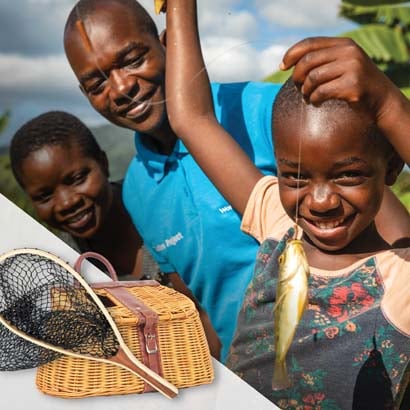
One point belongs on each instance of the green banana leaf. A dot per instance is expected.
(370, 3)
(398, 73)
(381, 43)
(387, 14)
(4, 119)
(278, 77)
(406, 91)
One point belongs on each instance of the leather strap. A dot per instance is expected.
(147, 326)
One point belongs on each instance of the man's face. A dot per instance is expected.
(123, 76)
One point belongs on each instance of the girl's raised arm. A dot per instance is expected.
(191, 114)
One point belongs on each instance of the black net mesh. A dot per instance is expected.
(42, 299)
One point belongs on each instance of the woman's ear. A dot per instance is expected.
(394, 167)
(163, 37)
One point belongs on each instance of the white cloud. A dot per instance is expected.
(241, 24)
(271, 57)
(300, 13)
(229, 59)
(36, 74)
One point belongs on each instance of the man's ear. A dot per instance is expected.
(163, 37)
(394, 167)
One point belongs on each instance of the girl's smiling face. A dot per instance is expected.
(338, 189)
(69, 190)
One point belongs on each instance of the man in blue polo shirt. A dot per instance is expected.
(114, 49)
(184, 221)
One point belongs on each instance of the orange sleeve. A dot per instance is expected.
(264, 216)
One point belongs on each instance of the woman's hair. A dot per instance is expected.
(51, 128)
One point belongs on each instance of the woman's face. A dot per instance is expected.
(69, 190)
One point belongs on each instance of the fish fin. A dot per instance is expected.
(280, 379)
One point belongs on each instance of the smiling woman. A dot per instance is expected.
(60, 166)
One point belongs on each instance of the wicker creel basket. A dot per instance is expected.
(160, 326)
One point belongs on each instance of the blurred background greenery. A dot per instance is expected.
(383, 33)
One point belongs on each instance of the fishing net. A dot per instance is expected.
(44, 300)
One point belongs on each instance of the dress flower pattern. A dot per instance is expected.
(345, 354)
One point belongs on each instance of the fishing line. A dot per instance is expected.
(298, 177)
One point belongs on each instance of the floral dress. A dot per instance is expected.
(346, 354)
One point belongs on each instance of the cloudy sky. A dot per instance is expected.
(241, 39)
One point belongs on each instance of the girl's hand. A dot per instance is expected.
(333, 67)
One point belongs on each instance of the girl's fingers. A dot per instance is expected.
(319, 76)
(311, 63)
(341, 88)
(308, 45)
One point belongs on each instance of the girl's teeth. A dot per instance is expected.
(328, 224)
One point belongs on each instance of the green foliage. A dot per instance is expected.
(371, 3)
(384, 35)
(279, 77)
(402, 188)
(4, 119)
(406, 91)
(9, 187)
(366, 12)
(383, 44)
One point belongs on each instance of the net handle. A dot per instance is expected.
(94, 255)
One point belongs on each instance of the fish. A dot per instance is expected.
(291, 302)
(160, 5)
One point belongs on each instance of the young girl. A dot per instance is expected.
(57, 161)
(352, 347)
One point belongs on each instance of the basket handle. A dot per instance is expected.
(94, 255)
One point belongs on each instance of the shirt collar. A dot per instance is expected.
(155, 163)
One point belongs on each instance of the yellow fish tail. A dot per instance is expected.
(280, 379)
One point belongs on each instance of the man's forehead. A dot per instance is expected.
(98, 37)
(104, 18)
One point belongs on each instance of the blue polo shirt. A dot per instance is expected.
(187, 224)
